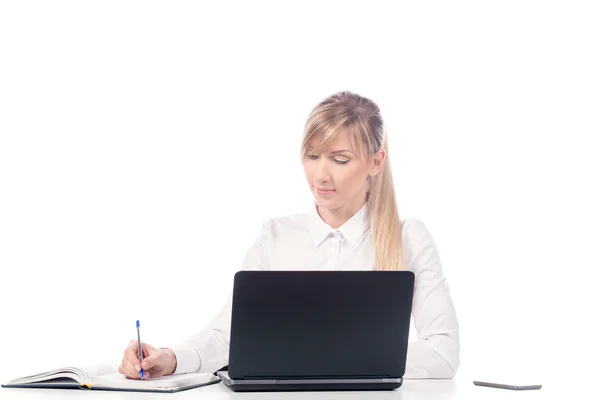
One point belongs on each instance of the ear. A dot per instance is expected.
(377, 162)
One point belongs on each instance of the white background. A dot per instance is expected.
(143, 143)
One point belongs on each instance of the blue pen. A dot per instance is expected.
(137, 325)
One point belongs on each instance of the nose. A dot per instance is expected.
(322, 173)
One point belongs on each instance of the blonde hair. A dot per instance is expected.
(361, 118)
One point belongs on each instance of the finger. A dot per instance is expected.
(132, 368)
(127, 373)
(131, 354)
(150, 361)
(128, 370)
(131, 350)
(147, 350)
(133, 345)
(134, 362)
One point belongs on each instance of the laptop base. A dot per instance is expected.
(281, 385)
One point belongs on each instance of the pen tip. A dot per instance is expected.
(137, 323)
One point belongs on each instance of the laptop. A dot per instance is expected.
(319, 330)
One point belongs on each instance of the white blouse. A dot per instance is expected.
(302, 241)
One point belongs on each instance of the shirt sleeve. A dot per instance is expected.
(208, 350)
(436, 352)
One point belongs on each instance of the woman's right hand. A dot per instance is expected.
(155, 362)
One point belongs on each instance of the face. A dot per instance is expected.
(338, 174)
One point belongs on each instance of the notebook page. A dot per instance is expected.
(72, 373)
(119, 381)
(94, 370)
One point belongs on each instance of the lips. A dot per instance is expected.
(321, 190)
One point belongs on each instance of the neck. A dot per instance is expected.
(338, 216)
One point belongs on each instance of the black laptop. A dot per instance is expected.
(319, 330)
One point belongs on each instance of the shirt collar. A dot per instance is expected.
(352, 230)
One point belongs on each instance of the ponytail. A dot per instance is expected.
(386, 229)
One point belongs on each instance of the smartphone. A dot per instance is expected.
(506, 386)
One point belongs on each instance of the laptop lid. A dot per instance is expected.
(320, 324)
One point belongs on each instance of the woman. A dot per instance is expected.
(353, 225)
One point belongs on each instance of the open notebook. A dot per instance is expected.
(100, 377)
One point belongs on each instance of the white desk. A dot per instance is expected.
(410, 390)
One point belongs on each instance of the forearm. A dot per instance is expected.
(434, 357)
(436, 353)
(206, 351)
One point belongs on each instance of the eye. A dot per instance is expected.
(312, 156)
(341, 161)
